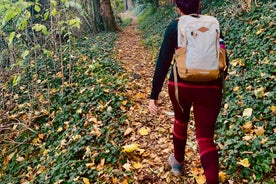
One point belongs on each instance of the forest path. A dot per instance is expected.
(153, 134)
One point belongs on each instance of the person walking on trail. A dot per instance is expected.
(205, 97)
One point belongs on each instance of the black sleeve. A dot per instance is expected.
(164, 59)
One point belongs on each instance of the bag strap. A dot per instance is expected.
(176, 86)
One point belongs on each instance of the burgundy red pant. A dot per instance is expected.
(206, 102)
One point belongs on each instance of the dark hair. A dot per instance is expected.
(188, 6)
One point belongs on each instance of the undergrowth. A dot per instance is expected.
(78, 136)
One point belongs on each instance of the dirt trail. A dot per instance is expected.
(149, 163)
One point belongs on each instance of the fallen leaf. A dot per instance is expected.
(236, 88)
(59, 129)
(259, 93)
(144, 131)
(127, 166)
(130, 148)
(247, 137)
(264, 140)
(247, 127)
(244, 162)
(247, 112)
(273, 108)
(128, 131)
(222, 176)
(124, 102)
(137, 165)
(200, 179)
(259, 131)
(85, 180)
(8, 158)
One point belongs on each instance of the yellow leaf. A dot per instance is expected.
(259, 131)
(130, 148)
(59, 129)
(273, 108)
(137, 165)
(247, 112)
(144, 131)
(125, 181)
(222, 176)
(264, 140)
(244, 162)
(200, 179)
(236, 62)
(124, 102)
(59, 75)
(259, 93)
(236, 88)
(79, 111)
(259, 31)
(85, 180)
(127, 166)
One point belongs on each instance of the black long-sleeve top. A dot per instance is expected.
(164, 61)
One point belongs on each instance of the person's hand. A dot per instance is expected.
(153, 107)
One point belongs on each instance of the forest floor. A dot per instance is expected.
(151, 134)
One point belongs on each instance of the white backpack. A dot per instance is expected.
(199, 57)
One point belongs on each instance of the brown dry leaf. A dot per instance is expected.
(8, 158)
(128, 131)
(247, 127)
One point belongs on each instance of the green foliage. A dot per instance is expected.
(246, 126)
(78, 136)
(153, 23)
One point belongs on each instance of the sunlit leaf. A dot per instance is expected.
(127, 166)
(222, 176)
(144, 131)
(236, 88)
(130, 148)
(200, 179)
(247, 112)
(85, 180)
(137, 165)
(59, 129)
(259, 131)
(259, 93)
(244, 162)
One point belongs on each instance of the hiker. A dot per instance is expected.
(205, 97)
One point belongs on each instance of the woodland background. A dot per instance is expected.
(63, 102)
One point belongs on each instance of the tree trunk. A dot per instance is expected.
(108, 16)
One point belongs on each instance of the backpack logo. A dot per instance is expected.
(199, 57)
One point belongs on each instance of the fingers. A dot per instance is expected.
(153, 107)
